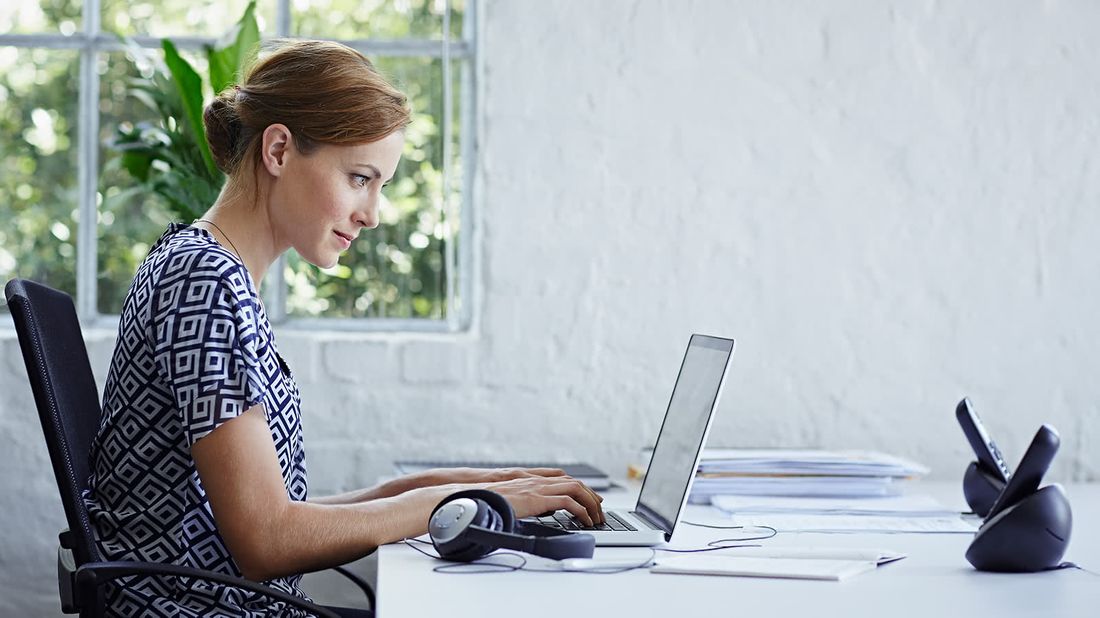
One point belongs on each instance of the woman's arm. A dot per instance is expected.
(387, 489)
(439, 476)
(271, 536)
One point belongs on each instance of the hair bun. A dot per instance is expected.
(223, 129)
(323, 92)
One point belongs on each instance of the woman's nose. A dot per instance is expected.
(369, 217)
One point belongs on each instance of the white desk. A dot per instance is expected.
(935, 580)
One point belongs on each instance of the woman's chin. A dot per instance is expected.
(322, 261)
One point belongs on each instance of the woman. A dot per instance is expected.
(199, 460)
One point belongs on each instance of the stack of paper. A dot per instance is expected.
(896, 506)
(786, 472)
(895, 514)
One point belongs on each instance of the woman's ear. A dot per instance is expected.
(277, 141)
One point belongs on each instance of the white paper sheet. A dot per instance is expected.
(917, 505)
(787, 568)
(878, 556)
(857, 523)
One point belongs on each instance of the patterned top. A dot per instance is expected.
(194, 349)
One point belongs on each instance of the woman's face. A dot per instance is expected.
(321, 201)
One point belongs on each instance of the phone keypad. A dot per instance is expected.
(999, 459)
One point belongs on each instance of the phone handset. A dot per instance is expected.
(1027, 528)
(1029, 474)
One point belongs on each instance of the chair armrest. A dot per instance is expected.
(92, 574)
(364, 586)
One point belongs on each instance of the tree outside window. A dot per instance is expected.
(403, 275)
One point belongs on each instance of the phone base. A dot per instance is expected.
(1031, 535)
(980, 488)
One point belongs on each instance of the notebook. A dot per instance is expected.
(827, 563)
(745, 566)
(676, 454)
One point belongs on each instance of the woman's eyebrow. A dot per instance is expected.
(371, 167)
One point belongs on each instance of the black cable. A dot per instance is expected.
(464, 567)
(729, 527)
(773, 531)
(478, 566)
(495, 567)
(1074, 565)
(724, 543)
(470, 567)
(711, 547)
(605, 570)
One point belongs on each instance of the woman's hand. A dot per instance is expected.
(534, 494)
(528, 491)
(543, 482)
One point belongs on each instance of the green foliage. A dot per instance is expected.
(38, 182)
(152, 169)
(235, 50)
(170, 157)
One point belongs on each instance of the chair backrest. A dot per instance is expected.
(65, 394)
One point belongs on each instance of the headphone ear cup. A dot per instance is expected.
(498, 504)
(492, 513)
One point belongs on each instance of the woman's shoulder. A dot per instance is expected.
(186, 256)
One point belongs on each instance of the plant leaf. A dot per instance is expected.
(189, 86)
(137, 163)
(231, 53)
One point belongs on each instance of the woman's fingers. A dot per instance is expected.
(537, 494)
(549, 473)
(584, 496)
(557, 472)
(575, 508)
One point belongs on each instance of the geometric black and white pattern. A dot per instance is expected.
(194, 350)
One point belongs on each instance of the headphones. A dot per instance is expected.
(470, 524)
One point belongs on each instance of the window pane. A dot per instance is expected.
(168, 18)
(369, 19)
(38, 155)
(40, 16)
(397, 269)
(456, 200)
(131, 217)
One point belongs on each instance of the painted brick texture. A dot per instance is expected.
(889, 204)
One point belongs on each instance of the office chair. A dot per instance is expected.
(68, 406)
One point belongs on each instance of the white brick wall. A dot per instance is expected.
(889, 204)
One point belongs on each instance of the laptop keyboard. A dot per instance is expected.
(566, 521)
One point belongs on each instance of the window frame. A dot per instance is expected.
(90, 40)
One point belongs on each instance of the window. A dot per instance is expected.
(81, 224)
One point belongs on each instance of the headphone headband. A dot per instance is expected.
(537, 539)
(460, 534)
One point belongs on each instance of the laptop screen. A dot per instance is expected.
(680, 442)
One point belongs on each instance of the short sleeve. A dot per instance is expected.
(206, 344)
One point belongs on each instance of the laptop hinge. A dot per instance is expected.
(649, 521)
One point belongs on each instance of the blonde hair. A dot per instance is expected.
(324, 92)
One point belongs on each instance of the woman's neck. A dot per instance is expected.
(245, 228)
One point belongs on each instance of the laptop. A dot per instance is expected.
(675, 455)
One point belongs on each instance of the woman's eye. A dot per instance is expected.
(360, 180)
